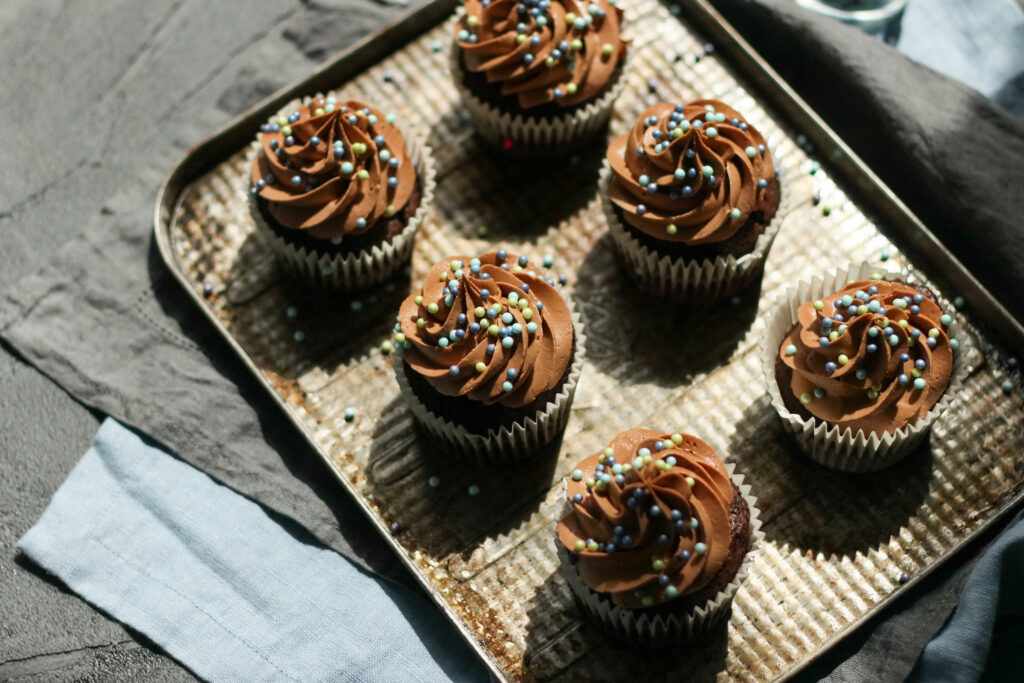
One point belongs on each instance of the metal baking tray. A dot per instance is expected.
(839, 547)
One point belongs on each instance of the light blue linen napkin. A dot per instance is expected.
(223, 588)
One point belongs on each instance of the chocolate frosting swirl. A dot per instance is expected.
(332, 169)
(874, 356)
(650, 517)
(691, 174)
(491, 328)
(541, 51)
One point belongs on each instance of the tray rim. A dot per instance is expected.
(230, 137)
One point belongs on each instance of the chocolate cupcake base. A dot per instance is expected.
(531, 133)
(683, 619)
(359, 261)
(493, 433)
(826, 443)
(703, 273)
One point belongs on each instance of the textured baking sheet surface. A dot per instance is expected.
(837, 544)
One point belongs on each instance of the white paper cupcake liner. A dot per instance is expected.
(825, 443)
(518, 441)
(358, 269)
(683, 279)
(529, 133)
(640, 626)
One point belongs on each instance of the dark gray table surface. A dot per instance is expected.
(101, 98)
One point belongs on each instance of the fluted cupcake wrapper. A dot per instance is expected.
(364, 268)
(684, 279)
(640, 627)
(825, 443)
(529, 133)
(518, 441)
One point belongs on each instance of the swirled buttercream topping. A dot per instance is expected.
(874, 356)
(650, 517)
(492, 328)
(332, 169)
(560, 51)
(690, 173)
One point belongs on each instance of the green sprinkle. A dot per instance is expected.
(592, 546)
(386, 347)
(671, 229)
(690, 482)
(843, 359)
(805, 398)
(819, 304)
(432, 308)
(677, 438)
(826, 210)
(657, 564)
(580, 546)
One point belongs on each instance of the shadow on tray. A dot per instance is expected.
(516, 199)
(559, 634)
(677, 341)
(818, 510)
(444, 506)
(290, 328)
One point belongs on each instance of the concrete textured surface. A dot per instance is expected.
(99, 99)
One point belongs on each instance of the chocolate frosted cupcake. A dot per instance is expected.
(338, 193)
(656, 537)
(860, 370)
(538, 74)
(692, 199)
(489, 356)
